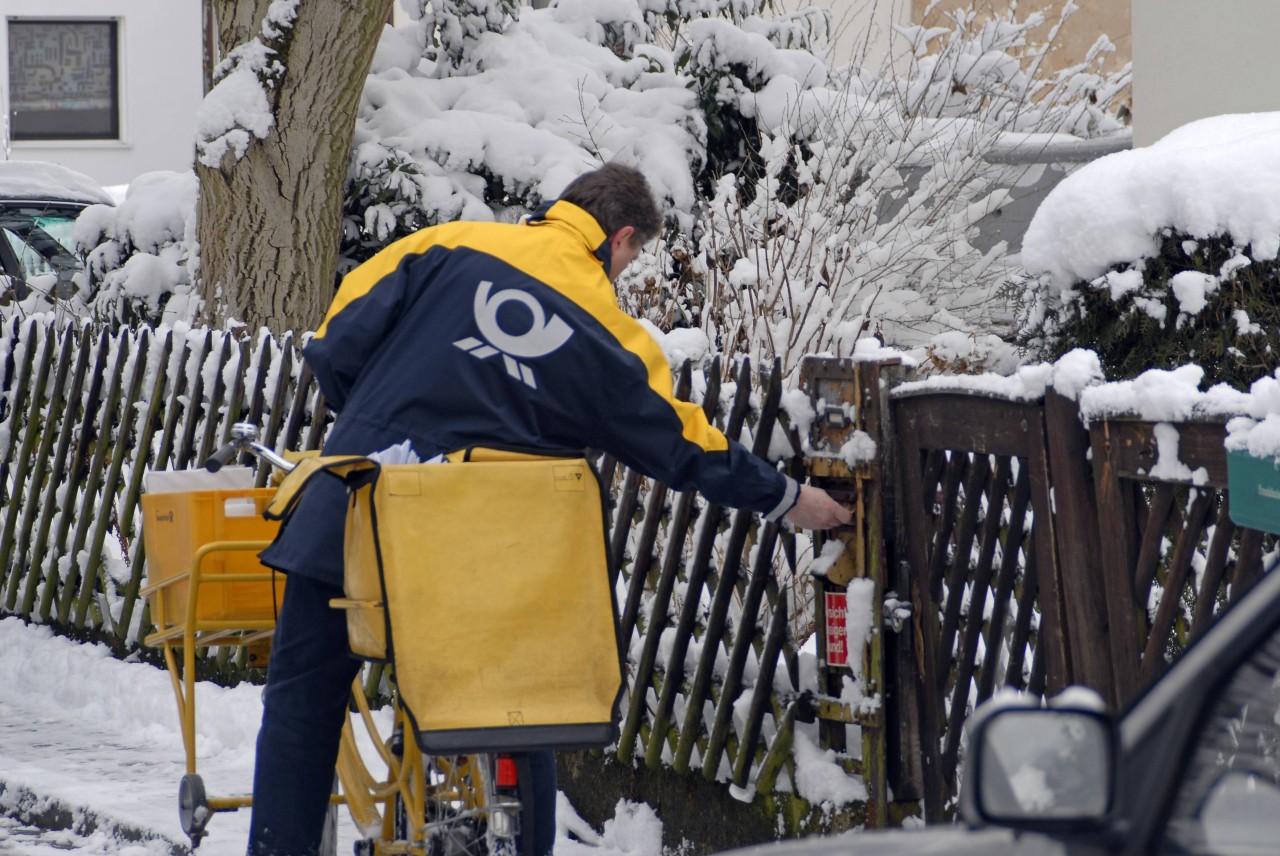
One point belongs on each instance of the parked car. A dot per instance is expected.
(39, 203)
(1192, 767)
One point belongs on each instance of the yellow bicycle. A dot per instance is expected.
(207, 591)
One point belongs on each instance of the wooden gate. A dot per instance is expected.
(1043, 554)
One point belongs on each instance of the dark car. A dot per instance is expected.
(1192, 767)
(39, 204)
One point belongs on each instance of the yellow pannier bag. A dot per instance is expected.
(501, 617)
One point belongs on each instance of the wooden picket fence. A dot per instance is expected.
(1008, 546)
(85, 412)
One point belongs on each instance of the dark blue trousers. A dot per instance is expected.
(304, 706)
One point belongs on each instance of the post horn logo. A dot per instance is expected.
(544, 337)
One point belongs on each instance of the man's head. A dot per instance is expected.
(620, 200)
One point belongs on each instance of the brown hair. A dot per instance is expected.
(616, 196)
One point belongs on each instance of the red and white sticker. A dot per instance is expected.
(837, 608)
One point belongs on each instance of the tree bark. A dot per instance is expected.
(269, 222)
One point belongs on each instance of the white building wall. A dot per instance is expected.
(1193, 59)
(864, 28)
(160, 68)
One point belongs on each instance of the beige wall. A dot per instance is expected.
(869, 23)
(1092, 19)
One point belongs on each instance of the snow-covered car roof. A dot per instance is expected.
(48, 182)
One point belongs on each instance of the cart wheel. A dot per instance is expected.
(193, 808)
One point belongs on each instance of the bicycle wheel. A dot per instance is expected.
(474, 805)
(425, 805)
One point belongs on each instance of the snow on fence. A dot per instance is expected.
(84, 412)
(1006, 542)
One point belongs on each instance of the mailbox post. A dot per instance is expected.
(847, 455)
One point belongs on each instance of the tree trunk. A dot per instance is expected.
(269, 221)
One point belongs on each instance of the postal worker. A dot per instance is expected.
(472, 334)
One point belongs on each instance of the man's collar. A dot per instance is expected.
(577, 220)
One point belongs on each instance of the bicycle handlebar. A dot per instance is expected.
(244, 438)
(222, 456)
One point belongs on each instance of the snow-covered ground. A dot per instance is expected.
(100, 737)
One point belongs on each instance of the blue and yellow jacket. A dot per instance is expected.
(472, 334)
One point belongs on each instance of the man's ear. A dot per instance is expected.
(622, 236)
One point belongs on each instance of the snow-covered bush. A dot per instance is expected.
(505, 116)
(140, 254)
(1165, 255)
(451, 27)
(806, 206)
(855, 209)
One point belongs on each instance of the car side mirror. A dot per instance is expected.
(1040, 768)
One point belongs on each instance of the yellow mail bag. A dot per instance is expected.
(501, 617)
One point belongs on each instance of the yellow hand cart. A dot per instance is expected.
(206, 589)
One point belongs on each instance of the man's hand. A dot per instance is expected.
(815, 509)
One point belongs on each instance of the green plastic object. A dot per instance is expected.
(1254, 484)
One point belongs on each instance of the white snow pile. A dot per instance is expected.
(239, 104)
(819, 777)
(635, 830)
(680, 345)
(1156, 395)
(1070, 375)
(1172, 396)
(1160, 395)
(860, 625)
(1212, 177)
(1259, 438)
(37, 181)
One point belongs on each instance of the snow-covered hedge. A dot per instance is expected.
(141, 254)
(1165, 255)
(807, 206)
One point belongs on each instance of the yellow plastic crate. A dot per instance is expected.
(176, 525)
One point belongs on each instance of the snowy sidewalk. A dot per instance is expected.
(101, 737)
(86, 733)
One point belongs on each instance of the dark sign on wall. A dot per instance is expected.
(63, 80)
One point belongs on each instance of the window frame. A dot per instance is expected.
(113, 133)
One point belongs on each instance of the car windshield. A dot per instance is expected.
(1229, 798)
(40, 244)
